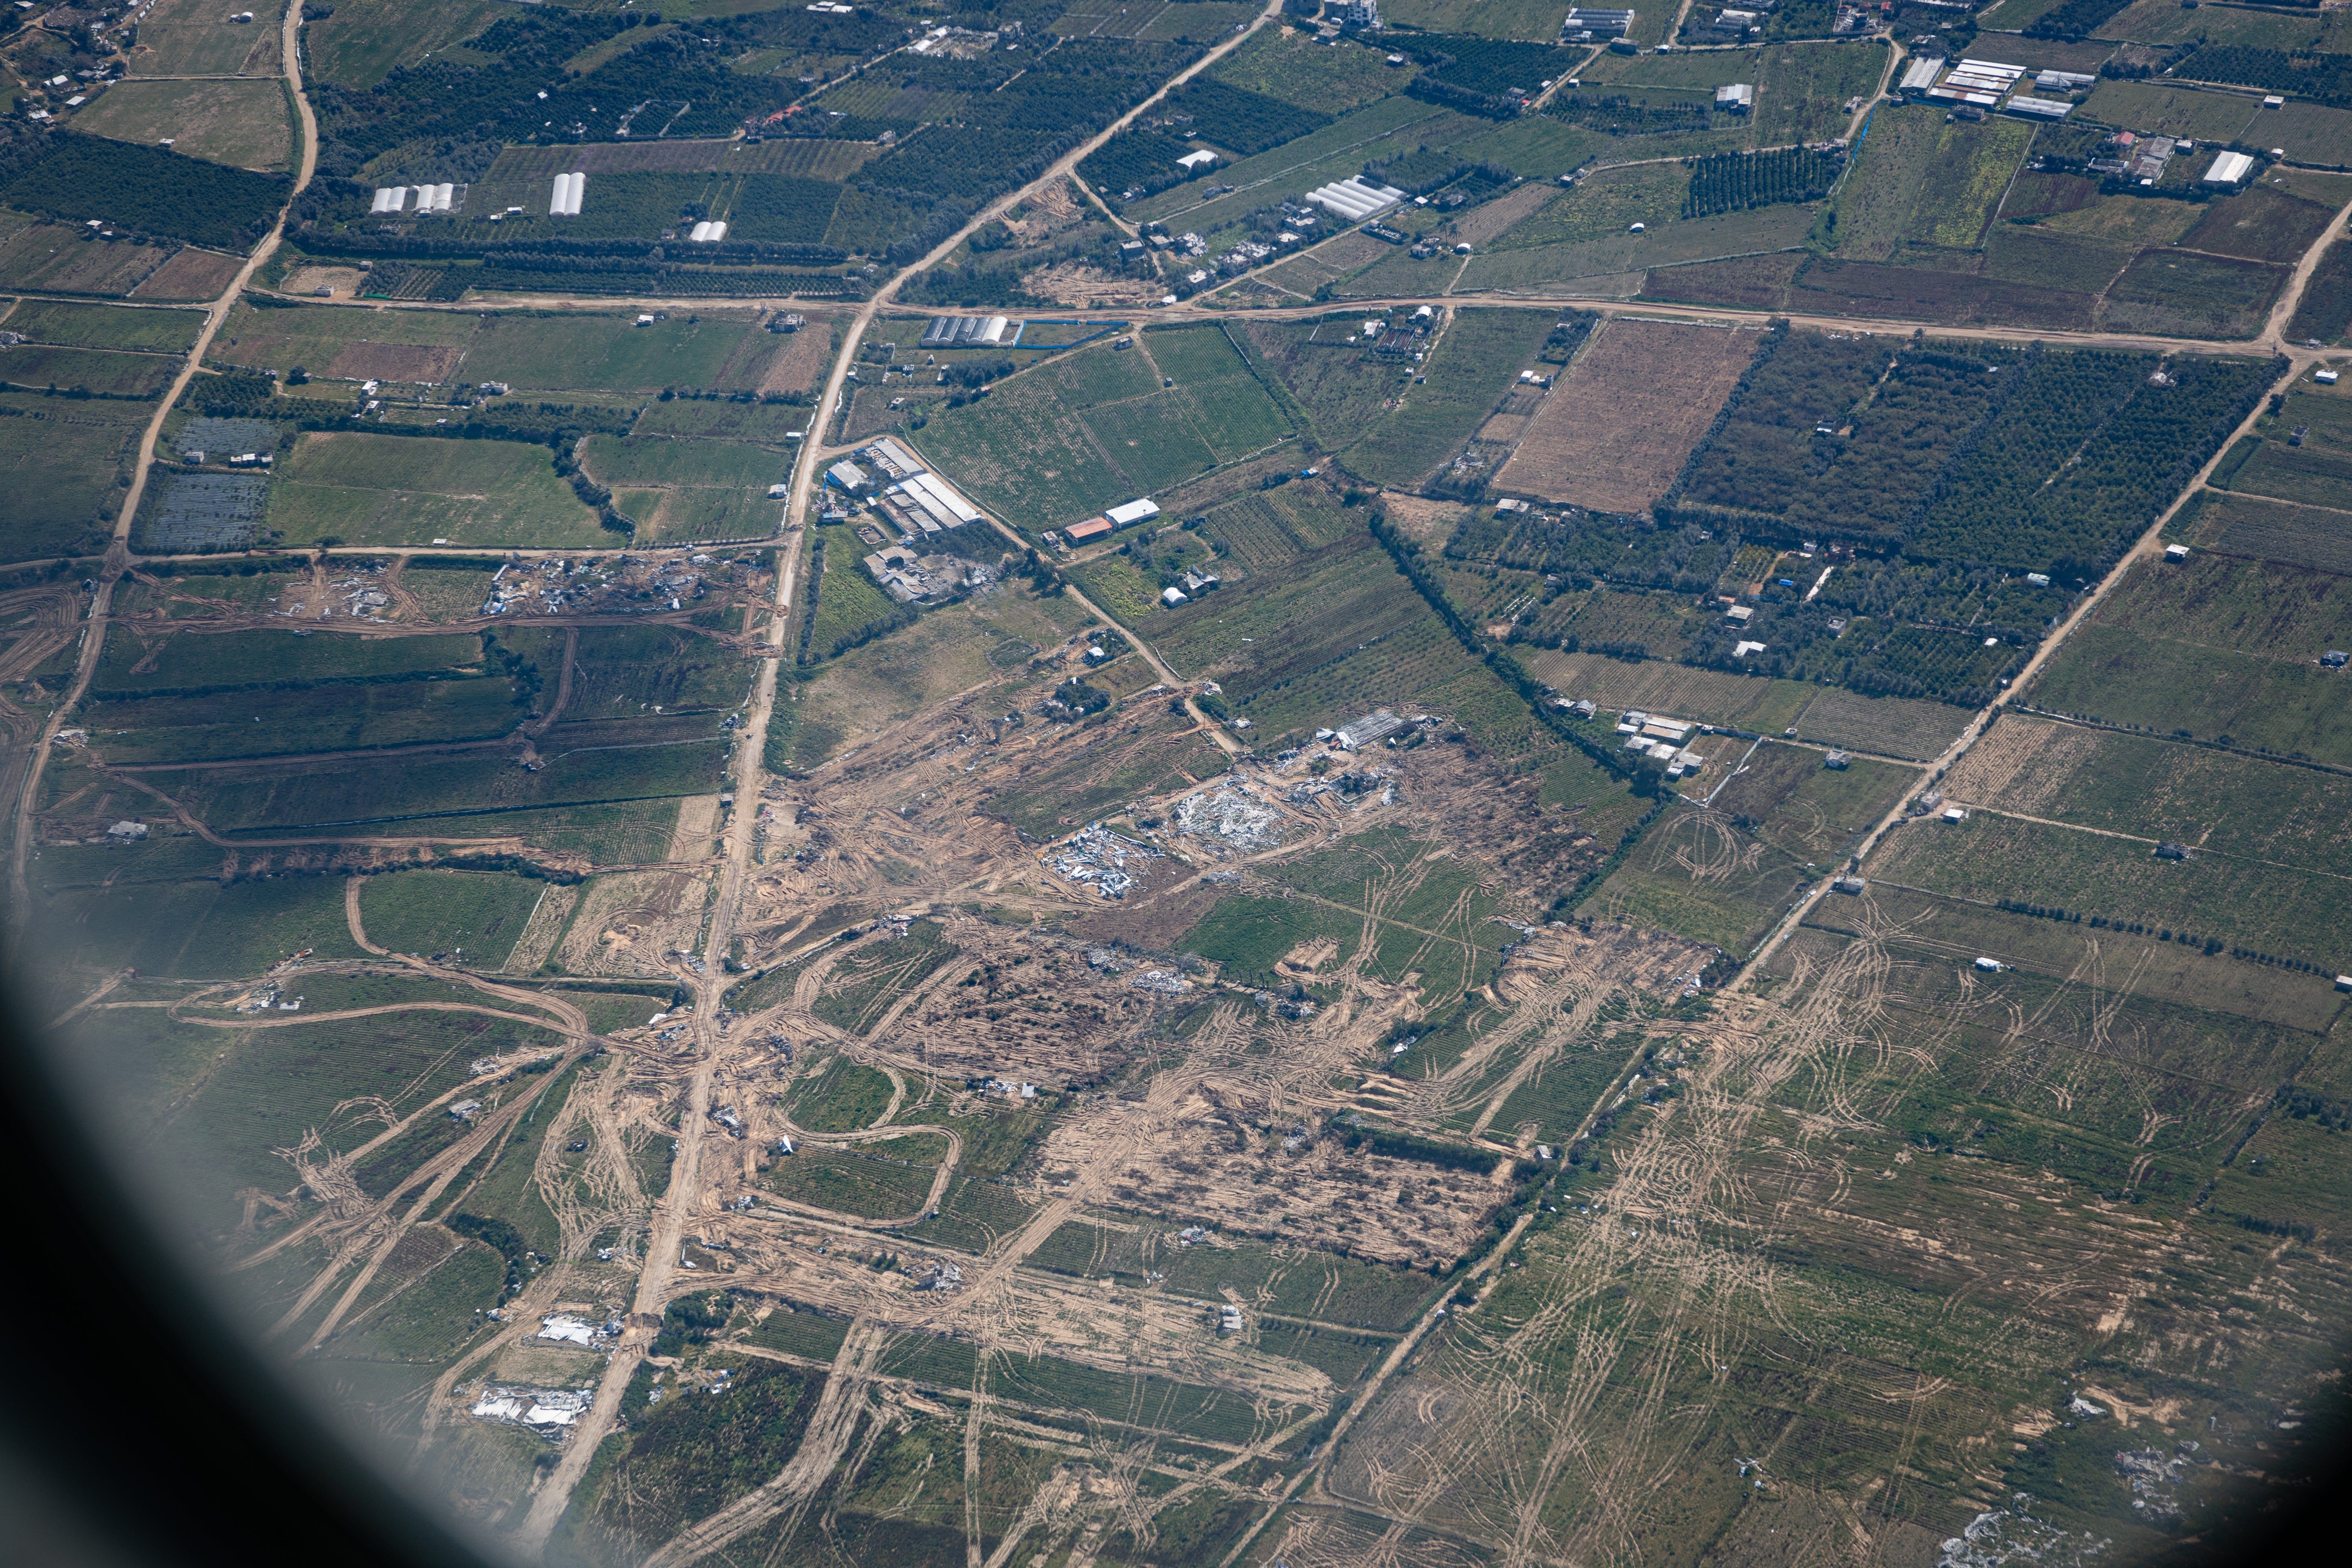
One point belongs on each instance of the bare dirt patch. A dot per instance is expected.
(395, 362)
(1074, 283)
(308, 281)
(190, 273)
(803, 362)
(1616, 430)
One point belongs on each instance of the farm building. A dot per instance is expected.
(2064, 81)
(2040, 107)
(2229, 169)
(1736, 97)
(846, 475)
(1738, 24)
(1954, 814)
(1600, 23)
(569, 189)
(1173, 596)
(1849, 886)
(2334, 658)
(1086, 533)
(965, 332)
(1838, 762)
(2176, 554)
(708, 233)
(1202, 159)
(2172, 851)
(1990, 966)
(1919, 75)
(1132, 512)
(1377, 725)
(892, 459)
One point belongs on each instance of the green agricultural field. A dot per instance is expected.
(689, 489)
(1700, 876)
(457, 912)
(332, 716)
(34, 368)
(1612, 267)
(848, 602)
(361, 43)
(839, 1096)
(950, 649)
(204, 931)
(2272, 531)
(1296, 71)
(2239, 903)
(874, 1181)
(2157, 110)
(245, 124)
(863, 987)
(1475, 361)
(59, 460)
(390, 489)
(344, 345)
(189, 37)
(1098, 427)
(2156, 790)
(1922, 181)
(723, 351)
(104, 326)
(2214, 648)
(2178, 293)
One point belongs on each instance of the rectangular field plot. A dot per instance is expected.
(97, 371)
(2274, 530)
(1920, 180)
(415, 346)
(59, 460)
(724, 351)
(193, 38)
(2156, 110)
(1294, 69)
(2211, 898)
(2262, 225)
(2160, 791)
(1664, 242)
(1616, 431)
(1476, 362)
(104, 326)
(1813, 813)
(2177, 293)
(204, 511)
(478, 913)
(328, 717)
(1075, 434)
(1889, 726)
(2213, 648)
(1950, 935)
(245, 124)
(392, 489)
(1697, 875)
(695, 489)
(65, 258)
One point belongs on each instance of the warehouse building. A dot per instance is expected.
(2040, 107)
(847, 476)
(1086, 533)
(1134, 511)
(2229, 169)
(1737, 98)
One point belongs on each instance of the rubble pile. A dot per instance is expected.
(1098, 856)
(1231, 815)
(1166, 982)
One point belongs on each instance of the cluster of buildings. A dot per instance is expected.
(1103, 526)
(1973, 86)
(1662, 740)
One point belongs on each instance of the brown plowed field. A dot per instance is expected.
(1615, 430)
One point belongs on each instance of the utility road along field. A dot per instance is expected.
(1610, 934)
